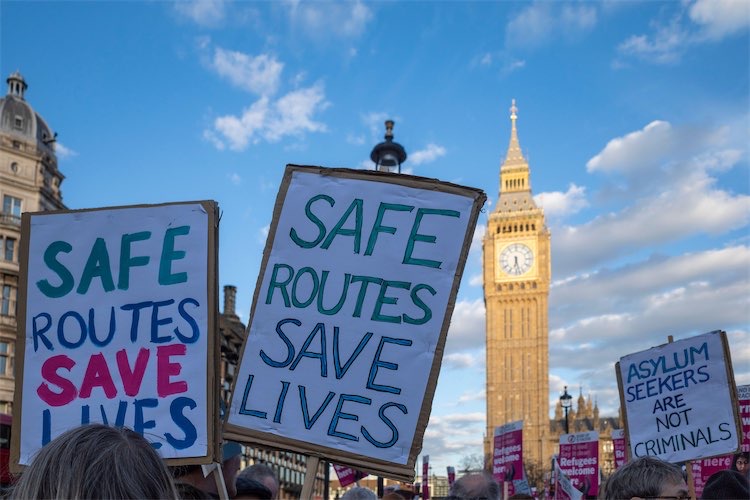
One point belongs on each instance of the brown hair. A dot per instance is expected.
(96, 461)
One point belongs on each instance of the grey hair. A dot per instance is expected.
(258, 472)
(96, 461)
(643, 477)
(359, 493)
(480, 486)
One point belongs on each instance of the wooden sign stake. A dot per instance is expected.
(310, 474)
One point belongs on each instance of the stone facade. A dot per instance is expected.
(517, 273)
(516, 259)
(29, 182)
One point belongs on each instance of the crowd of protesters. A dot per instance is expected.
(102, 462)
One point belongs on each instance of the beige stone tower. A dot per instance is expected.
(29, 182)
(516, 253)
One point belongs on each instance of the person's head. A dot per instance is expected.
(250, 489)
(726, 484)
(359, 493)
(96, 461)
(646, 477)
(264, 474)
(740, 462)
(475, 487)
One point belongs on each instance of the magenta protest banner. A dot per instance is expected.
(704, 468)
(579, 460)
(743, 397)
(425, 477)
(347, 475)
(620, 448)
(117, 325)
(564, 489)
(507, 454)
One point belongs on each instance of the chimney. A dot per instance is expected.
(230, 299)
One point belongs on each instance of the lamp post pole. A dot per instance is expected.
(565, 401)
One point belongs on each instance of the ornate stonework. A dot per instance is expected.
(516, 259)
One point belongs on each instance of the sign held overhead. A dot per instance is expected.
(350, 315)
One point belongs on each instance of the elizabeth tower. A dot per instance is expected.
(516, 253)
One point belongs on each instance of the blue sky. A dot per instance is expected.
(634, 117)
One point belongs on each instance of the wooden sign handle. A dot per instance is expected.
(310, 474)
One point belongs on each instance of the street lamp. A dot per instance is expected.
(388, 155)
(565, 401)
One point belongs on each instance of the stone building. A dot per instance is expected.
(517, 273)
(29, 182)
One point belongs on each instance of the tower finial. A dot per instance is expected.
(513, 110)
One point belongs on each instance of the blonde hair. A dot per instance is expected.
(96, 461)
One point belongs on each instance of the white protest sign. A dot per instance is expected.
(350, 314)
(117, 326)
(678, 399)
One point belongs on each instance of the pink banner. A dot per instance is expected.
(451, 476)
(579, 460)
(348, 475)
(425, 477)
(704, 468)
(507, 455)
(743, 396)
(620, 449)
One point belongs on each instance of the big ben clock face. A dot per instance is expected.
(516, 259)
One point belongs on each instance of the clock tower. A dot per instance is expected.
(516, 253)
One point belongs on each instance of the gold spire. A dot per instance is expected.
(514, 156)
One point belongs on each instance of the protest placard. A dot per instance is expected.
(619, 447)
(564, 489)
(347, 475)
(703, 469)
(350, 315)
(507, 456)
(679, 399)
(117, 325)
(743, 398)
(579, 460)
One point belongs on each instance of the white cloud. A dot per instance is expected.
(557, 204)
(258, 74)
(429, 154)
(466, 331)
(665, 46)
(321, 20)
(235, 178)
(64, 152)
(666, 177)
(720, 18)
(692, 24)
(207, 13)
(542, 22)
(637, 149)
(291, 115)
(357, 140)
